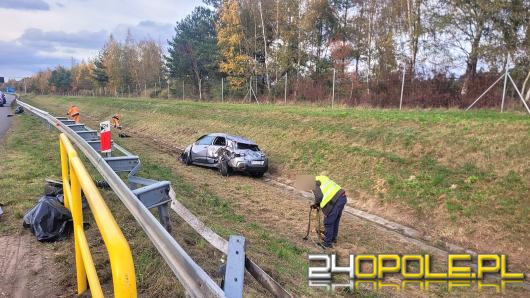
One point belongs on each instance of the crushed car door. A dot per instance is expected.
(200, 148)
(212, 154)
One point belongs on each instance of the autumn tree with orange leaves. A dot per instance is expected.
(235, 64)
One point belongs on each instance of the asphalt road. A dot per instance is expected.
(5, 121)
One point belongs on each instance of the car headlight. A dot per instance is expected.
(239, 154)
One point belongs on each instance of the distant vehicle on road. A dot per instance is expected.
(228, 153)
(10, 89)
(3, 100)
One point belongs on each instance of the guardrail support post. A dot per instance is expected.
(163, 213)
(156, 195)
(235, 267)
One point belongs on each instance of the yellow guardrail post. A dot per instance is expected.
(83, 269)
(76, 179)
(65, 175)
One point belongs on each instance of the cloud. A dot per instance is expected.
(24, 4)
(145, 30)
(37, 49)
(21, 60)
(47, 40)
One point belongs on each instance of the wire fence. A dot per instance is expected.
(397, 90)
(336, 88)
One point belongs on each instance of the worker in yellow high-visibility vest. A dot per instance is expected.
(331, 199)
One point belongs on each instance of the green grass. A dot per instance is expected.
(29, 155)
(473, 166)
(439, 147)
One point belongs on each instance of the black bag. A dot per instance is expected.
(49, 220)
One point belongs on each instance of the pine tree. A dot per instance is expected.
(61, 78)
(193, 50)
(99, 72)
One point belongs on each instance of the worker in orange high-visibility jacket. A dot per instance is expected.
(73, 112)
(331, 199)
(116, 121)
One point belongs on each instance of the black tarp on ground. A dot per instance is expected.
(49, 220)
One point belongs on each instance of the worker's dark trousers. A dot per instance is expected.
(332, 220)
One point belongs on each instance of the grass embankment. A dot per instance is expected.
(460, 176)
(31, 154)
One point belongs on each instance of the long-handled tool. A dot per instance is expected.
(319, 231)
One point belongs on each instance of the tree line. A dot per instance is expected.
(448, 51)
(129, 67)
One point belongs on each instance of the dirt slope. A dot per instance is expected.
(27, 268)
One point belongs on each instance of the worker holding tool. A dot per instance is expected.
(331, 199)
(116, 121)
(73, 112)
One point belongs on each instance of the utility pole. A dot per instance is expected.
(182, 89)
(333, 90)
(222, 90)
(167, 88)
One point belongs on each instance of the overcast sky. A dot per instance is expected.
(36, 34)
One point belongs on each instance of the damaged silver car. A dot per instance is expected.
(228, 153)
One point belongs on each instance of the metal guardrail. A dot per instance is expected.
(192, 277)
(76, 179)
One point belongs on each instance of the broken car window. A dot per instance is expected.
(220, 141)
(243, 146)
